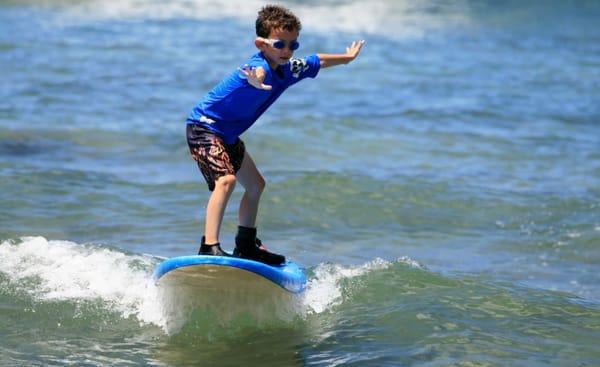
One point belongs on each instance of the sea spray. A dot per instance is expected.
(63, 270)
(54, 270)
(324, 288)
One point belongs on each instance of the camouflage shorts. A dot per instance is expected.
(214, 157)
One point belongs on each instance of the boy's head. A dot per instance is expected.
(277, 30)
(272, 17)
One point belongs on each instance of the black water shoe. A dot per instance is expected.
(213, 250)
(247, 246)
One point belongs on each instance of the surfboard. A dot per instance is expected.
(191, 287)
(202, 272)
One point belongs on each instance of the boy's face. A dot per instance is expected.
(274, 55)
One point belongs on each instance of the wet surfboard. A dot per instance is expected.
(201, 272)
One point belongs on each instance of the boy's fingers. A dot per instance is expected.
(257, 84)
(357, 46)
(244, 71)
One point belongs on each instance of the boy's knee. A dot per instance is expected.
(257, 187)
(226, 182)
(260, 184)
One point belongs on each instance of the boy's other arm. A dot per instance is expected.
(352, 52)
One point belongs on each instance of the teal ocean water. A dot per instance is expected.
(442, 192)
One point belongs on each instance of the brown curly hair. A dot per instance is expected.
(272, 17)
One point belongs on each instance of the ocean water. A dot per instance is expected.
(442, 191)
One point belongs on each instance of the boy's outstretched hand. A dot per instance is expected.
(352, 52)
(255, 77)
(354, 49)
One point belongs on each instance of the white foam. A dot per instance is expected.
(143, 9)
(390, 18)
(324, 290)
(69, 271)
(63, 270)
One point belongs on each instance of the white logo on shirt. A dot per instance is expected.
(298, 66)
(206, 119)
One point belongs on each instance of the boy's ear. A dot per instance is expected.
(259, 43)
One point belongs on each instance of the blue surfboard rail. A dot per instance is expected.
(288, 276)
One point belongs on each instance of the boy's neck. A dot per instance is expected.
(271, 64)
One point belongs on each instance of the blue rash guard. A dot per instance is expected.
(232, 106)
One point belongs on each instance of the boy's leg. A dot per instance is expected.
(246, 244)
(218, 163)
(215, 209)
(254, 185)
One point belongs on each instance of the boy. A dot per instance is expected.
(215, 124)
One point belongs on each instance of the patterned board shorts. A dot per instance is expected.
(214, 157)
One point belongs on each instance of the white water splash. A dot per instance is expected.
(324, 290)
(389, 18)
(66, 270)
(63, 270)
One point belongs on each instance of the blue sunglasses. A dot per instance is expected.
(280, 45)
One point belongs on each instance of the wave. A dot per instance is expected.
(121, 283)
(351, 314)
(64, 270)
(391, 18)
(325, 288)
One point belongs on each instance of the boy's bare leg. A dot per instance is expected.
(247, 246)
(254, 185)
(215, 209)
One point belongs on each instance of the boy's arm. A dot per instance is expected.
(352, 52)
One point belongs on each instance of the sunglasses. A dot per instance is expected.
(280, 45)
